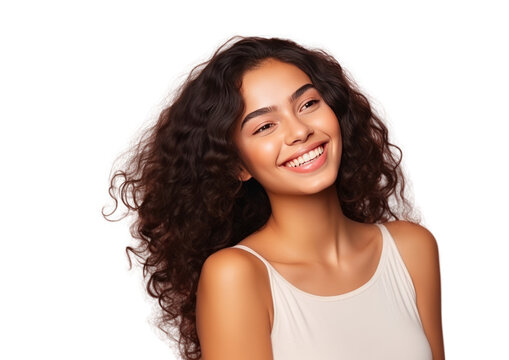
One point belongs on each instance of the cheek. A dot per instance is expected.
(333, 124)
(268, 148)
(261, 153)
(337, 128)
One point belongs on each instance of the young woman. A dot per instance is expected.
(265, 222)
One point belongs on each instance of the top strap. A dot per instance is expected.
(240, 246)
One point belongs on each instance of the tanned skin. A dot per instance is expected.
(307, 238)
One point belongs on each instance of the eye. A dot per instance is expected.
(310, 103)
(262, 128)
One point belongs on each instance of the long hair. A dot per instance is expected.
(181, 178)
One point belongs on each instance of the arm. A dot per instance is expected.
(420, 252)
(231, 318)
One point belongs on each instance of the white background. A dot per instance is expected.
(78, 80)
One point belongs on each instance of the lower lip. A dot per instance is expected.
(312, 165)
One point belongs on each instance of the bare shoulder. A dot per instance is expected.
(412, 238)
(419, 251)
(231, 316)
(230, 264)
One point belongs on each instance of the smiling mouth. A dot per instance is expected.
(307, 157)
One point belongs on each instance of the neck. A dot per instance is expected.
(310, 227)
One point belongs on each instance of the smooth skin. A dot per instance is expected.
(307, 238)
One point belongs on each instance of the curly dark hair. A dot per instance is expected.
(182, 175)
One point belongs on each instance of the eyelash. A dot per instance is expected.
(307, 102)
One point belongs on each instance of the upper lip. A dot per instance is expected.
(303, 151)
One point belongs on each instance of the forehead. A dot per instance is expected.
(272, 81)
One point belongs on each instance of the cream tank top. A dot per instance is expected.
(378, 320)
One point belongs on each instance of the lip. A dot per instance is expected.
(312, 165)
(303, 151)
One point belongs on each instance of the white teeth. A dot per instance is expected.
(306, 157)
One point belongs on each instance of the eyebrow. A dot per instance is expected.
(267, 109)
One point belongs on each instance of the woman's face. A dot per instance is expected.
(284, 118)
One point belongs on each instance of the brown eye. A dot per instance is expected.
(310, 103)
(262, 128)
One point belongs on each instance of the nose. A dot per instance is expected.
(296, 129)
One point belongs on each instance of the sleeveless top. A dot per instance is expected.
(378, 320)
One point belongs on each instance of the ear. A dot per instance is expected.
(244, 174)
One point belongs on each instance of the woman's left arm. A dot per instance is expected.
(420, 250)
